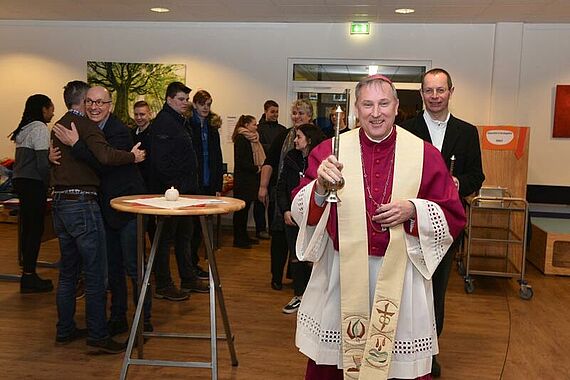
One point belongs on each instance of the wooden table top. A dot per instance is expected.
(230, 205)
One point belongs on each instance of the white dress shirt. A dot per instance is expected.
(436, 129)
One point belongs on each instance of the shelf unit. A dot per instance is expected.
(492, 225)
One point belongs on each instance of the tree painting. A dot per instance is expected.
(131, 82)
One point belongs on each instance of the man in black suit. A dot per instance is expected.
(141, 134)
(458, 142)
(120, 228)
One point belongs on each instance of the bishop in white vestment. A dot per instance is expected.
(361, 319)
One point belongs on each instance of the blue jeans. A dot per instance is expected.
(177, 230)
(122, 257)
(79, 227)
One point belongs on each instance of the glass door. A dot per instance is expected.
(329, 83)
(325, 102)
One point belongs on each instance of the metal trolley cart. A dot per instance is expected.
(497, 226)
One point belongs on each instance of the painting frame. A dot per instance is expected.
(129, 82)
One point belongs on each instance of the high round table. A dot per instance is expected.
(203, 212)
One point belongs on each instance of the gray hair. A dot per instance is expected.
(369, 80)
(74, 93)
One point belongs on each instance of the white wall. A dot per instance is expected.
(242, 65)
(545, 63)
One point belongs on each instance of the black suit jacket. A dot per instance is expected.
(462, 140)
(144, 139)
(116, 181)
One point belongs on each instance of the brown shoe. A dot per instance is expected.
(196, 285)
(171, 293)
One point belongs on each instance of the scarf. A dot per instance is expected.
(256, 147)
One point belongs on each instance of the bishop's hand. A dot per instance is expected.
(329, 174)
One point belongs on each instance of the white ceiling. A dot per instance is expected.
(319, 11)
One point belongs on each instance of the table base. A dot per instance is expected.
(215, 290)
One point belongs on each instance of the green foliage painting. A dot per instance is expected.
(131, 82)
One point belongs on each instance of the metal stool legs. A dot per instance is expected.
(215, 290)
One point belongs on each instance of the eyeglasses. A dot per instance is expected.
(438, 91)
(98, 102)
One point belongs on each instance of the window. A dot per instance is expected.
(355, 72)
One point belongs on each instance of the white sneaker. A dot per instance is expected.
(293, 305)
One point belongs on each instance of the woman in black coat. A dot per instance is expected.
(248, 159)
(307, 137)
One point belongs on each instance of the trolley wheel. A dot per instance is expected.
(469, 286)
(526, 292)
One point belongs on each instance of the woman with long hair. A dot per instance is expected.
(31, 181)
(248, 160)
(307, 136)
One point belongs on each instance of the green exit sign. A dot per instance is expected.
(359, 28)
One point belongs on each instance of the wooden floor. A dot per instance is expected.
(490, 334)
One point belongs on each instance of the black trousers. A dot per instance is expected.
(300, 270)
(259, 217)
(150, 221)
(439, 282)
(196, 241)
(279, 246)
(240, 224)
(197, 233)
(32, 194)
(279, 250)
(270, 213)
(176, 230)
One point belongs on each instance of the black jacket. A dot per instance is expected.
(215, 160)
(144, 139)
(294, 166)
(116, 181)
(246, 174)
(462, 140)
(172, 157)
(273, 155)
(268, 131)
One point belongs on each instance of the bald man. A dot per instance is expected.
(78, 223)
(120, 228)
